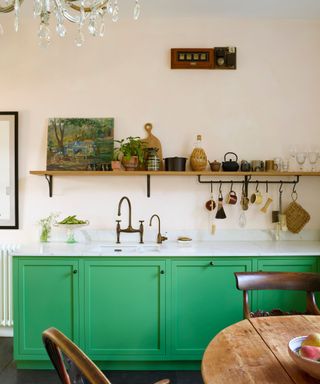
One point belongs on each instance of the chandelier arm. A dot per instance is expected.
(69, 16)
(66, 14)
(87, 9)
(9, 8)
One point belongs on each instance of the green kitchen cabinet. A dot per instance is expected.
(124, 307)
(45, 295)
(204, 301)
(137, 312)
(284, 300)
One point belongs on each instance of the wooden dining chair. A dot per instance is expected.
(298, 281)
(72, 365)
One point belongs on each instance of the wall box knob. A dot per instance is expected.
(162, 272)
(75, 272)
(212, 263)
(225, 58)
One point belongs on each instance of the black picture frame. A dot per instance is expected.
(10, 193)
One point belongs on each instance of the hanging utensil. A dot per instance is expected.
(282, 216)
(220, 211)
(267, 204)
(275, 214)
(211, 204)
(244, 199)
(244, 205)
(297, 217)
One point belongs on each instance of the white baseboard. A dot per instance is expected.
(6, 332)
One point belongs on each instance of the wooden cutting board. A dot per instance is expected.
(153, 142)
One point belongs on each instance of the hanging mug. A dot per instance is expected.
(231, 198)
(210, 204)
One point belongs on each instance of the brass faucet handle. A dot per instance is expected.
(164, 238)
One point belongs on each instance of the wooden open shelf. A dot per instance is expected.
(247, 176)
(170, 173)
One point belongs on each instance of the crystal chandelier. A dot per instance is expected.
(88, 14)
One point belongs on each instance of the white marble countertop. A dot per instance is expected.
(174, 249)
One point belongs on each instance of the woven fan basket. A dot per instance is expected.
(198, 160)
(297, 217)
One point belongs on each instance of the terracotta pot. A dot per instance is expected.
(132, 164)
(116, 165)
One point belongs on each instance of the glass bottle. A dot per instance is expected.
(198, 159)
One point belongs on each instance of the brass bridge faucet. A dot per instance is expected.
(129, 229)
(160, 238)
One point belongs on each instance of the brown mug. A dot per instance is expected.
(231, 198)
(270, 166)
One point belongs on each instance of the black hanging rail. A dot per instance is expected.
(248, 180)
(220, 178)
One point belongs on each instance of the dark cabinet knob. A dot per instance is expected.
(75, 271)
(211, 263)
(162, 272)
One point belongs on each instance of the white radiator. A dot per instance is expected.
(6, 313)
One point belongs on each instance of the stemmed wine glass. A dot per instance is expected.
(292, 154)
(301, 158)
(313, 158)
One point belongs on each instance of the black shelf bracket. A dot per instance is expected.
(248, 180)
(49, 179)
(148, 185)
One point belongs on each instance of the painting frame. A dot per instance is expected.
(9, 206)
(80, 144)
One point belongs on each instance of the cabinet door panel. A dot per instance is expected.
(124, 308)
(284, 300)
(205, 300)
(47, 296)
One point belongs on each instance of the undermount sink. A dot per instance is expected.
(126, 248)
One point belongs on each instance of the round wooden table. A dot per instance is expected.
(255, 351)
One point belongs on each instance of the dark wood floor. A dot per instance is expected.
(10, 375)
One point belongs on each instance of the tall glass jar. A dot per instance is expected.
(198, 159)
(153, 160)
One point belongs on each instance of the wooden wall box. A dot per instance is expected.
(192, 58)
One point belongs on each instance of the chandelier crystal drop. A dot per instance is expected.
(86, 14)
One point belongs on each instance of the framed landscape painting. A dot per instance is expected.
(80, 144)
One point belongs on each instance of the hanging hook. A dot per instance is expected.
(281, 185)
(294, 193)
(267, 186)
(294, 187)
(257, 186)
(211, 187)
(231, 186)
(220, 188)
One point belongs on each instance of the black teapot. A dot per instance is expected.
(230, 165)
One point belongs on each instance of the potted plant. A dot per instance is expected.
(131, 151)
(46, 226)
(116, 160)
